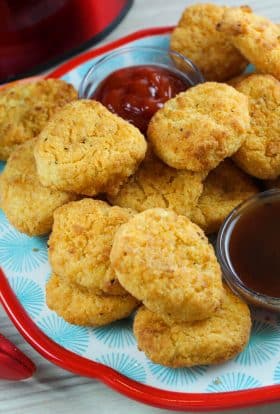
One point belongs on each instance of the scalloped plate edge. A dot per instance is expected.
(82, 366)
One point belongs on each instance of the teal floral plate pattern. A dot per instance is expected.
(24, 261)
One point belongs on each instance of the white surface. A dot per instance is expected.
(53, 390)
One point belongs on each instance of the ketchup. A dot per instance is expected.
(135, 93)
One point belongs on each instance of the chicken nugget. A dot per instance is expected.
(237, 79)
(82, 307)
(27, 204)
(259, 155)
(211, 341)
(81, 241)
(196, 37)
(223, 190)
(88, 150)
(166, 261)
(26, 108)
(156, 185)
(198, 128)
(257, 38)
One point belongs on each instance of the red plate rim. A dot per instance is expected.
(82, 366)
(78, 60)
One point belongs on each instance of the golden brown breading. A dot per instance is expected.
(27, 204)
(165, 261)
(88, 150)
(223, 190)
(26, 108)
(257, 38)
(82, 307)
(156, 185)
(81, 241)
(198, 128)
(211, 341)
(259, 155)
(196, 37)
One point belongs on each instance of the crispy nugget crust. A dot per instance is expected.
(257, 38)
(86, 149)
(198, 128)
(28, 205)
(211, 341)
(224, 189)
(82, 307)
(26, 108)
(197, 38)
(165, 261)
(156, 185)
(81, 241)
(259, 155)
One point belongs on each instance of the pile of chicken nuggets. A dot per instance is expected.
(128, 214)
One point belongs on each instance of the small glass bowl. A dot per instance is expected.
(222, 251)
(134, 56)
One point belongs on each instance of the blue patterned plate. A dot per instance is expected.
(24, 261)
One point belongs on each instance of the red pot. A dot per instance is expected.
(36, 34)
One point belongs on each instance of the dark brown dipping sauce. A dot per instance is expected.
(254, 248)
(135, 93)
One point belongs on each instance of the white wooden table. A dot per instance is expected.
(53, 390)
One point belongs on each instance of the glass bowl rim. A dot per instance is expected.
(128, 49)
(230, 276)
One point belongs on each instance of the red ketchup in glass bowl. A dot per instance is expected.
(135, 93)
